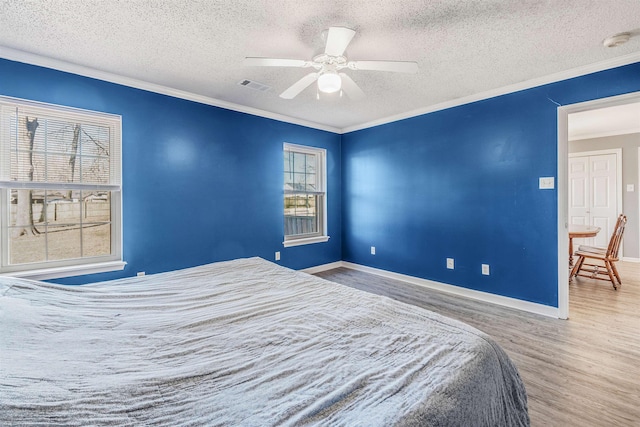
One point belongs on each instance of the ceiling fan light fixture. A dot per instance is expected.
(329, 82)
(329, 65)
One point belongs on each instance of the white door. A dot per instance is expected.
(579, 203)
(593, 195)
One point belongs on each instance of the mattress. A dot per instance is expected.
(243, 343)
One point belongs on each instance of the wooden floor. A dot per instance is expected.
(584, 371)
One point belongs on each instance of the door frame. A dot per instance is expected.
(618, 153)
(563, 188)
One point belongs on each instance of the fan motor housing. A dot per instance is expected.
(324, 59)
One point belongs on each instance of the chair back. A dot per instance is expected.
(616, 238)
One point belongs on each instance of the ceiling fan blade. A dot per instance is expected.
(299, 86)
(350, 87)
(276, 62)
(395, 66)
(338, 38)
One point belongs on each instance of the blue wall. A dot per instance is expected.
(463, 183)
(200, 183)
(203, 184)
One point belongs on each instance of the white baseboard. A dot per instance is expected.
(530, 307)
(323, 267)
(629, 259)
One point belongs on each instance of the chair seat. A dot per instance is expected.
(595, 255)
(592, 249)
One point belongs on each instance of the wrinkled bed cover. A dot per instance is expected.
(243, 343)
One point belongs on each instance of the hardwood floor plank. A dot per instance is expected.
(584, 371)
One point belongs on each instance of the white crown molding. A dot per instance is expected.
(528, 84)
(43, 61)
(33, 59)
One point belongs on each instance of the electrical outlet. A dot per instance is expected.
(373, 250)
(278, 256)
(450, 263)
(485, 269)
(140, 273)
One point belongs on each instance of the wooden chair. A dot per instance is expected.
(607, 256)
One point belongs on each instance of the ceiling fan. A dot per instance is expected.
(329, 65)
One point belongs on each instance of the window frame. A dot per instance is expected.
(72, 266)
(321, 235)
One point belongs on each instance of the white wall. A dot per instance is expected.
(629, 144)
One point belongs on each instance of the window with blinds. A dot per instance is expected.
(304, 194)
(60, 190)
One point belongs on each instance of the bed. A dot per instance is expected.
(243, 343)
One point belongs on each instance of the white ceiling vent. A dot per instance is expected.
(254, 85)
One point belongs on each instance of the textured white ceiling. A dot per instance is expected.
(463, 47)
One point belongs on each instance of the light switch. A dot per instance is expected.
(546, 182)
(630, 188)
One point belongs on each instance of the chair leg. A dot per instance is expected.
(615, 272)
(608, 265)
(576, 267)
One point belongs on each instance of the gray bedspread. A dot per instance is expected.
(243, 343)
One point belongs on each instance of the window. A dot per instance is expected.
(305, 198)
(60, 192)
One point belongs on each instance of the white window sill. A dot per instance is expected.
(72, 270)
(308, 241)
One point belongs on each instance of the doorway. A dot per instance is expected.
(564, 186)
